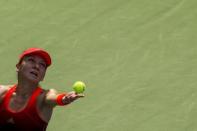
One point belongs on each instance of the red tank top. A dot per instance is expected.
(25, 120)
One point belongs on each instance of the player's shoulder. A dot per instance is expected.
(4, 88)
(52, 91)
(46, 96)
(48, 92)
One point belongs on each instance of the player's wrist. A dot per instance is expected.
(60, 99)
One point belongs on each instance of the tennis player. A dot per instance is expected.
(25, 106)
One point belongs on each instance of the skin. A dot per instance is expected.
(30, 72)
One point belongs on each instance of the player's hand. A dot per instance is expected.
(71, 96)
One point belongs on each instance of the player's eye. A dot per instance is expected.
(43, 65)
(30, 59)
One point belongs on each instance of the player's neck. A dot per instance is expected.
(25, 88)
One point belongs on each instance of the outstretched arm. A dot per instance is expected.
(53, 98)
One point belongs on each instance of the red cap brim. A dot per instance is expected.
(37, 51)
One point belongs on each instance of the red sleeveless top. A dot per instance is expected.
(26, 119)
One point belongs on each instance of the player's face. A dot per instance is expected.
(32, 68)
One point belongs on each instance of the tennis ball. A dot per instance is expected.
(79, 87)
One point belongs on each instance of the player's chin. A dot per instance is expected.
(33, 79)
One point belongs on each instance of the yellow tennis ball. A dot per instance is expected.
(79, 87)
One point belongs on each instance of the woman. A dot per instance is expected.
(25, 106)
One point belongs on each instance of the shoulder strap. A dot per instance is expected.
(8, 96)
(32, 101)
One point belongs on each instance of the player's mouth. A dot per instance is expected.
(35, 74)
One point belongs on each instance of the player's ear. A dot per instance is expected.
(17, 67)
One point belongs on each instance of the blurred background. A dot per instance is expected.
(137, 58)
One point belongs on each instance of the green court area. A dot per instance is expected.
(137, 57)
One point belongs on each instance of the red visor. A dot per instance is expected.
(37, 51)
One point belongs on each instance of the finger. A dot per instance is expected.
(70, 93)
(74, 94)
(72, 97)
(80, 95)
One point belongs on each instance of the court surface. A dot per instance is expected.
(137, 57)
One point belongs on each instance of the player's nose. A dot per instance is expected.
(36, 66)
